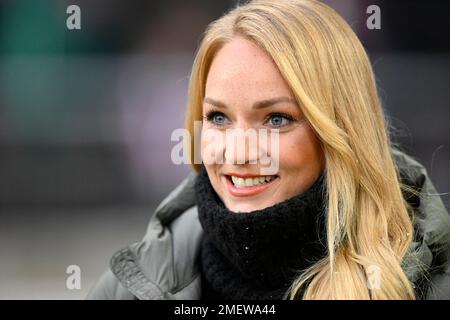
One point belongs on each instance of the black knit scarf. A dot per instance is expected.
(257, 255)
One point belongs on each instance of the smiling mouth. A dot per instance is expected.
(240, 182)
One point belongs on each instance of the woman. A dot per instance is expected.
(344, 216)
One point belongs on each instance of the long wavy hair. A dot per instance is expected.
(369, 225)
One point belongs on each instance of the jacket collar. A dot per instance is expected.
(164, 264)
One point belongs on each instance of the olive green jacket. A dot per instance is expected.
(165, 264)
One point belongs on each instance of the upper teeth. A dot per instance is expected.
(250, 182)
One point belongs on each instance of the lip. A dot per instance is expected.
(248, 191)
(243, 175)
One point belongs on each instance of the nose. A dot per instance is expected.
(242, 146)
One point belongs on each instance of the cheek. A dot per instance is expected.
(300, 150)
(204, 151)
(211, 146)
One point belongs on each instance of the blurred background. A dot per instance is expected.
(86, 117)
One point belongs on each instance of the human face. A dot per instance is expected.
(242, 75)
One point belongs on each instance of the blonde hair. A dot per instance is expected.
(325, 65)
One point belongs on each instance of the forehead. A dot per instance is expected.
(241, 67)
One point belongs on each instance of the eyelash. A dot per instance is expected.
(211, 114)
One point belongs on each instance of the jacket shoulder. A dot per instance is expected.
(108, 287)
(432, 227)
(431, 215)
(163, 265)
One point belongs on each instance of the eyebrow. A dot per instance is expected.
(257, 105)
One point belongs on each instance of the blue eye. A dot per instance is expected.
(274, 120)
(280, 120)
(216, 118)
(277, 121)
(219, 119)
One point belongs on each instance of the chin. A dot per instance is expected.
(247, 207)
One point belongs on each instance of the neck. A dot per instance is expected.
(263, 249)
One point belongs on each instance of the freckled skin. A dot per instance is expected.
(240, 75)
